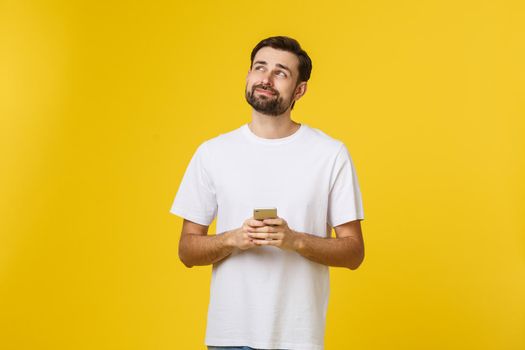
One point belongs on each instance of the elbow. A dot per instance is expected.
(184, 258)
(188, 265)
(357, 261)
(354, 266)
(185, 262)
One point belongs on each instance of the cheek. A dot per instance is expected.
(252, 76)
(250, 81)
(288, 90)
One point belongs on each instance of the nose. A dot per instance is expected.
(267, 78)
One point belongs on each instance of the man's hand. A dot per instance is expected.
(240, 238)
(274, 232)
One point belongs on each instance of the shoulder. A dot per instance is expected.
(229, 138)
(218, 147)
(319, 139)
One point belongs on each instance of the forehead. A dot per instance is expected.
(273, 56)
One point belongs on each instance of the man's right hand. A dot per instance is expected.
(239, 237)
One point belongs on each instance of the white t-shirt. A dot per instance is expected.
(266, 297)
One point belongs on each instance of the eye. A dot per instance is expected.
(259, 68)
(281, 74)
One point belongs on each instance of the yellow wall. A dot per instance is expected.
(103, 104)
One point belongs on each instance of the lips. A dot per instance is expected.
(265, 92)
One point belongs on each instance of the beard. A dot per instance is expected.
(268, 105)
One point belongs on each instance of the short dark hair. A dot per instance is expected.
(285, 43)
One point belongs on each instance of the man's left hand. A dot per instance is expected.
(275, 233)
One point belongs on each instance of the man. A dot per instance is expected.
(270, 280)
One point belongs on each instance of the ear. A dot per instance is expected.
(300, 90)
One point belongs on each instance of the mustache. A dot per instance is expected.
(264, 87)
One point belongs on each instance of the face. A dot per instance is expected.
(271, 84)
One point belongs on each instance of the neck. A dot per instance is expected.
(273, 127)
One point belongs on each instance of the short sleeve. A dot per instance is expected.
(196, 200)
(344, 202)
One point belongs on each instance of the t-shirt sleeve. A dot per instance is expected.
(345, 202)
(196, 200)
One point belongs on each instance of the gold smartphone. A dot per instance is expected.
(264, 213)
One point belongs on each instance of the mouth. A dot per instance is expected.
(265, 92)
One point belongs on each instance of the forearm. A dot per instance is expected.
(342, 252)
(198, 250)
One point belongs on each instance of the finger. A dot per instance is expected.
(277, 221)
(267, 229)
(254, 223)
(271, 242)
(274, 236)
(249, 228)
(277, 236)
(258, 235)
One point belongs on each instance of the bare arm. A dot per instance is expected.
(196, 247)
(346, 250)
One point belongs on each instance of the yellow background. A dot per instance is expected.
(103, 103)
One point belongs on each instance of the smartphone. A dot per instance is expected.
(264, 213)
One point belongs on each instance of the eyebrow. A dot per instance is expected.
(277, 64)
